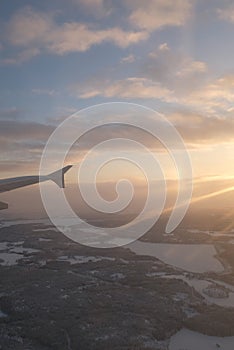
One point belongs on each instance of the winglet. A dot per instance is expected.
(58, 176)
(3, 205)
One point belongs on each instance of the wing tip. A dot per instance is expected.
(58, 176)
(66, 168)
(3, 206)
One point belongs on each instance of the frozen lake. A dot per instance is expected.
(217, 296)
(189, 340)
(197, 258)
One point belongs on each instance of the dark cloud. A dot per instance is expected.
(200, 129)
(10, 114)
(12, 130)
(18, 167)
(22, 143)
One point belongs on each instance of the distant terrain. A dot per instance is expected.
(56, 294)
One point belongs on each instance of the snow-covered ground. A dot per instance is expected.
(79, 259)
(189, 340)
(47, 229)
(9, 223)
(213, 233)
(11, 253)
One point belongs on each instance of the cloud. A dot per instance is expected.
(98, 8)
(28, 26)
(22, 141)
(186, 78)
(12, 113)
(35, 32)
(226, 13)
(190, 81)
(190, 67)
(48, 92)
(13, 130)
(174, 69)
(13, 167)
(74, 37)
(127, 88)
(165, 75)
(21, 57)
(163, 47)
(154, 14)
(197, 130)
(200, 129)
(169, 76)
(213, 96)
(128, 59)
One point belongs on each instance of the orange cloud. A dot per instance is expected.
(35, 32)
(154, 14)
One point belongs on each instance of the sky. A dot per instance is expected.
(175, 56)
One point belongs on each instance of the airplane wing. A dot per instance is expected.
(22, 181)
